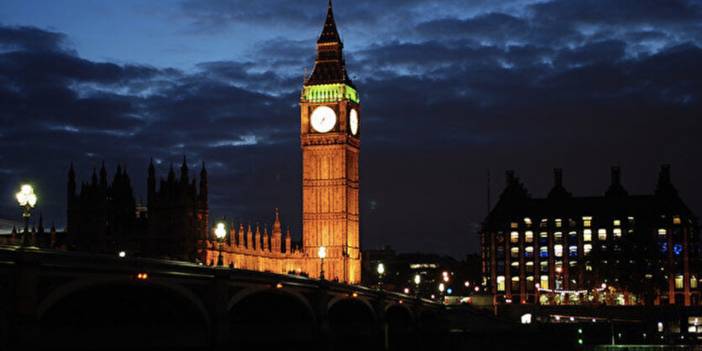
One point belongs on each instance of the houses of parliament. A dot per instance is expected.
(104, 216)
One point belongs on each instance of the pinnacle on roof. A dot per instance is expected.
(329, 33)
(329, 67)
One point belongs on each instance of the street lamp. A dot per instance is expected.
(26, 199)
(322, 254)
(417, 280)
(381, 271)
(220, 232)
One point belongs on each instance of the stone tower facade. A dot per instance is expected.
(330, 140)
(330, 143)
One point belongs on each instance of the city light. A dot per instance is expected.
(122, 254)
(142, 276)
(381, 268)
(322, 253)
(441, 287)
(417, 279)
(26, 196)
(27, 199)
(220, 232)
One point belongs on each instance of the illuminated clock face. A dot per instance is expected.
(323, 119)
(353, 121)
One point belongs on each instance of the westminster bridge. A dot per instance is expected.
(67, 300)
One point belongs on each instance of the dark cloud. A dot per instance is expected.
(448, 92)
(30, 38)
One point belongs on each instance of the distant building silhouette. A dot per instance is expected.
(614, 249)
(104, 216)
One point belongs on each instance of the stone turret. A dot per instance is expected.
(277, 234)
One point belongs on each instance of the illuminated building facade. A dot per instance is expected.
(330, 142)
(613, 249)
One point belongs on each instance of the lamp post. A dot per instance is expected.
(322, 254)
(381, 271)
(26, 199)
(442, 287)
(220, 232)
(417, 280)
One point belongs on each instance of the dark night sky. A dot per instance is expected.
(450, 90)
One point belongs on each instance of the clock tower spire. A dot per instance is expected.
(330, 141)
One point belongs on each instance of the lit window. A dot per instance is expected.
(676, 220)
(694, 325)
(617, 223)
(587, 221)
(662, 232)
(527, 221)
(558, 250)
(529, 251)
(587, 235)
(602, 234)
(543, 266)
(588, 268)
(514, 225)
(572, 263)
(559, 222)
(515, 283)
(558, 236)
(515, 264)
(678, 281)
(529, 236)
(572, 251)
(586, 249)
(530, 263)
(500, 283)
(543, 281)
(559, 266)
(514, 237)
(543, 252)
(543, 235)
(544, 223)
(514, 252)
(617, 232)
(693, 282)
(631, 220)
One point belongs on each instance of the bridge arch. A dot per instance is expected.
(123, 313)
(399, 327)
(271, 318)
(353, 325)
(4, 315)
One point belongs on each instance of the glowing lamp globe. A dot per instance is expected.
(26, 196)
(322, 252)
(220, 231)
(381, 268)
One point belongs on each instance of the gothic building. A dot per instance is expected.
(613, 249)
(104, 216)
(330, 143)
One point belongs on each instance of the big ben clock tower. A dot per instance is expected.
(330, 139)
